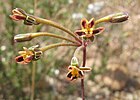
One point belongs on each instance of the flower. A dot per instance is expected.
(76, 72)
(25, 57)
(28, 55)
(88, 29)
(18, 14)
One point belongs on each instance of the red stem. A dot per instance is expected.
(82, 80)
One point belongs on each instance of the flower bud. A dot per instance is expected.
(119, 17)
(22, 37)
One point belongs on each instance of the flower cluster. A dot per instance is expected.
(80, 38)
(87, 32)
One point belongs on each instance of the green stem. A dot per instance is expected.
(34, 66)
(54, 24)
(104, 19)
(33, 35)
(57, 45)
(33, 81)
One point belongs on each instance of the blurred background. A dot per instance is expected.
(114, 55)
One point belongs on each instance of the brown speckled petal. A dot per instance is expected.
(69, 75)
(81, 74)
(19, 59)
(79, 32)
(29, 59)
(91, 23)
(98, 30)
(84, 23)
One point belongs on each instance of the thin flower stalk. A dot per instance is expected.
(33, 35)
(30, 36)
(33, 66)
(57, 45)
(54, 24)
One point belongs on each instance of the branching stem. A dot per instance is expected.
(54, 24)
(57, 45)
(33, 35)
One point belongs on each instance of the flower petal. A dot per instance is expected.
(98, 30)
(19, 17)
(22, 52)
(29, 59)
(13, 17)
(69, 75)
(85, 68)
(84, 23)
(79, 32)
(69, 68)
(21, 11)
(18, 14)
(91, 23)
(81, 74)
(19, 59)
(72, 78)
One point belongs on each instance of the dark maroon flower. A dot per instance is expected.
(88, 30)
(31, 54)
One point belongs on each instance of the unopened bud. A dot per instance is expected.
(119, 17)
(22, 37)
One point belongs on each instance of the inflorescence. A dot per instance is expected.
(81, 38)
